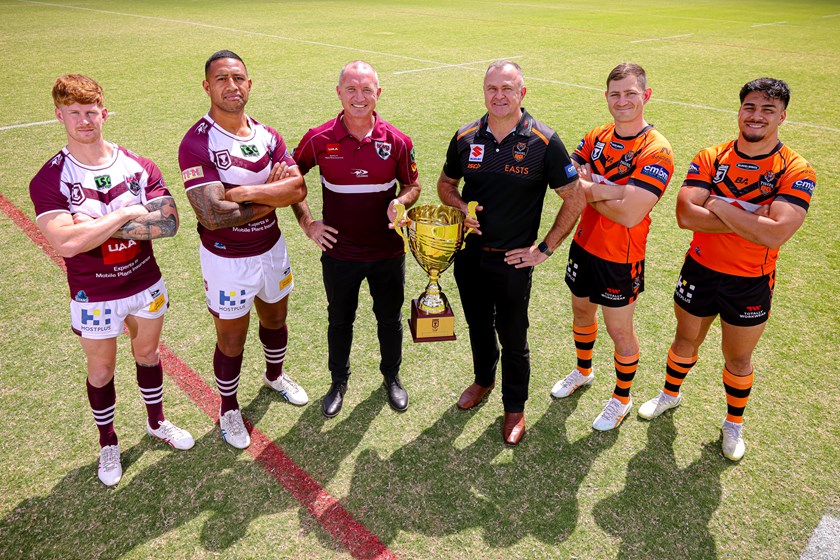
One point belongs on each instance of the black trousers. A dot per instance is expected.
(342, 281)
(495, 296)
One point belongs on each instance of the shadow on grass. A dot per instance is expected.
(664, 510)
(433, 487)
(81, 518)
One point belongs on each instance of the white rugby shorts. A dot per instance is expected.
(231, 284)
(106, 319)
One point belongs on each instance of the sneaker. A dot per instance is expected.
(171, 434)
(659, 404)
(733, 444)
(570, 383)
(110, 468)
(233, 429)
(612, 415)
(290, 390)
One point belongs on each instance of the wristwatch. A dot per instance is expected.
(543, 247)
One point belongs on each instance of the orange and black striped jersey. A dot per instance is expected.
(747, 182)
(644, 161)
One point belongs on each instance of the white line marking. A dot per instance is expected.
(588, 9)
(463, 64)
(24, 125)
(832, 15)
(766, 24)
(825, 540)
(305, 42)
(662, 38)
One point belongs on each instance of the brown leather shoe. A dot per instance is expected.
(514, 427)
(473, 395)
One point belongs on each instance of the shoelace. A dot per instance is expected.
(732, 431)
(110, 458)
(235, 423)
(170, 430)
(571, 380)
(612, 409)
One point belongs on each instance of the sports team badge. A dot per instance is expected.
(383, 149)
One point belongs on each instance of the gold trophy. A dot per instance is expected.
(435, 234)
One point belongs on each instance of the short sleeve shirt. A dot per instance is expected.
(358, 181)
(209, 154)
(509, 179)
(781, 175)
(644, 161)
(119, 267)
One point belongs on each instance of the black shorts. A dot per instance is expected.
(743, 301)
(606, 283)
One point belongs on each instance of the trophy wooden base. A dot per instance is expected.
(429, 327)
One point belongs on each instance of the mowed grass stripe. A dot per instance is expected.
(352, 535)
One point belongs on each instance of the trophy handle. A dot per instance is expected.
(470, 214)
(400, 208)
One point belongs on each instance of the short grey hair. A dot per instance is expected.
(500, 65)
(362, 64)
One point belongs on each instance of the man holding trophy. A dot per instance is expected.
(367, 169)
(507, 159)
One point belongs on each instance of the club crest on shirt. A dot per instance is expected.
(133, 184)
(383, 149)
(596, 151)
(626, 162)
(720, 173)
(767, 182)
(77, 194)
(520, 149)
(222, 159)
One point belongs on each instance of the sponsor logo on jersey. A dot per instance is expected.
(516, 169)
(693, 169)
(383, 149)
(767, 182)
(119, 250)
(570, 171)
(520, 149)
(473, 166)
(413, 167)
(359, 173)
(249, 150)
(580, 146)
(222, 159)
(133, 184)
(96, 317)
(805, 185)
(657, 172)
(411, 155)
(616, 145)
(103, 182)
(333, 149)
(720, 173)
(81, 297)
(77, 194)
(192, 173)
(747, 166)
(219, 245)
(476, 153)
(596, 151)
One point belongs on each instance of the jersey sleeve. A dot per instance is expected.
(584, 149)
(406, 166)
(558, 165)
(654, 168)
(46, 190)
(194, 160)
(797, 185)
(280, 152)
(304, 155)
(452, 166)
(700, 171)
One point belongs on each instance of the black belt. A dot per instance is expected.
(493, 249)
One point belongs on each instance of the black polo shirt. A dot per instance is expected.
(508, 179)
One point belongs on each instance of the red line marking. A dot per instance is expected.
(352, 535)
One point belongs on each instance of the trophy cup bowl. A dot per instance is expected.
(435, 235)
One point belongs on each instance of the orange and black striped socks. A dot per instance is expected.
(584, 343)
(737, 392)
(625, 371)
(676, 368)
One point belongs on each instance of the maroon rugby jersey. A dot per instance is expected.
(209, 154)
(119, 267)
(359, 179)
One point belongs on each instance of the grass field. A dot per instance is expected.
(434, 482)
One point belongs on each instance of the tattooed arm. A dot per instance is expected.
(214, 212)
(161, 221)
